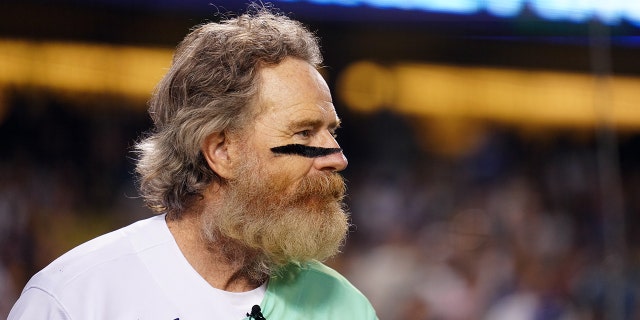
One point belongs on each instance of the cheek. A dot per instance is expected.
(292, 169)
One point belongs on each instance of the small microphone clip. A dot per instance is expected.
(256, 313)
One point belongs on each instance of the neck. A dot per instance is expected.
(208, 259)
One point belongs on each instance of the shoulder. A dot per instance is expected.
(109, 275)
(314, 288)
(98, 259)
(319, 274)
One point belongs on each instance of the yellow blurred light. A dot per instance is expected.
(367, 86)
(513, 96)
(90, 68)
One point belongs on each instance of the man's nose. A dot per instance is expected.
(332, 162)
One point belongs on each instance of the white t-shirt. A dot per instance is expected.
(137, 272)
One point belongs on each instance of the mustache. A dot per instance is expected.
(328, 186)
(305, 151)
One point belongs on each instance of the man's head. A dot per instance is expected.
(244, 130)
(210, 87)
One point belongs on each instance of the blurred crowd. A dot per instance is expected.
(65, 177)
(515, 227)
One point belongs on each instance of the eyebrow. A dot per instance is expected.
(314, 123)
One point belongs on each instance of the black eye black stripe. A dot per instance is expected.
(305, 151)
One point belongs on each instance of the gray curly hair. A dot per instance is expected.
(209, 88)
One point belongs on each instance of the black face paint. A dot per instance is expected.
(305, 151)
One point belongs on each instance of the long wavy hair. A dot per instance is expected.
(210, 87)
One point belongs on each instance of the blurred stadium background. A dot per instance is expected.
(494, 145)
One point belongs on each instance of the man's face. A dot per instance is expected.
(296, 108)
(288, 205)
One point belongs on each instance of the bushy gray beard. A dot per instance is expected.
(262, 224)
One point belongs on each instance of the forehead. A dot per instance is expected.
(294, 91)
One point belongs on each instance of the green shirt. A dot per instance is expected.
(314, 291)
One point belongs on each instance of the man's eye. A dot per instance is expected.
(304, 133)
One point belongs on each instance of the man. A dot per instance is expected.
(242, 168)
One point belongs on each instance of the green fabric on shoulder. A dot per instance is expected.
(314, 291)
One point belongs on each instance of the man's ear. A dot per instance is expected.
(215, 149)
